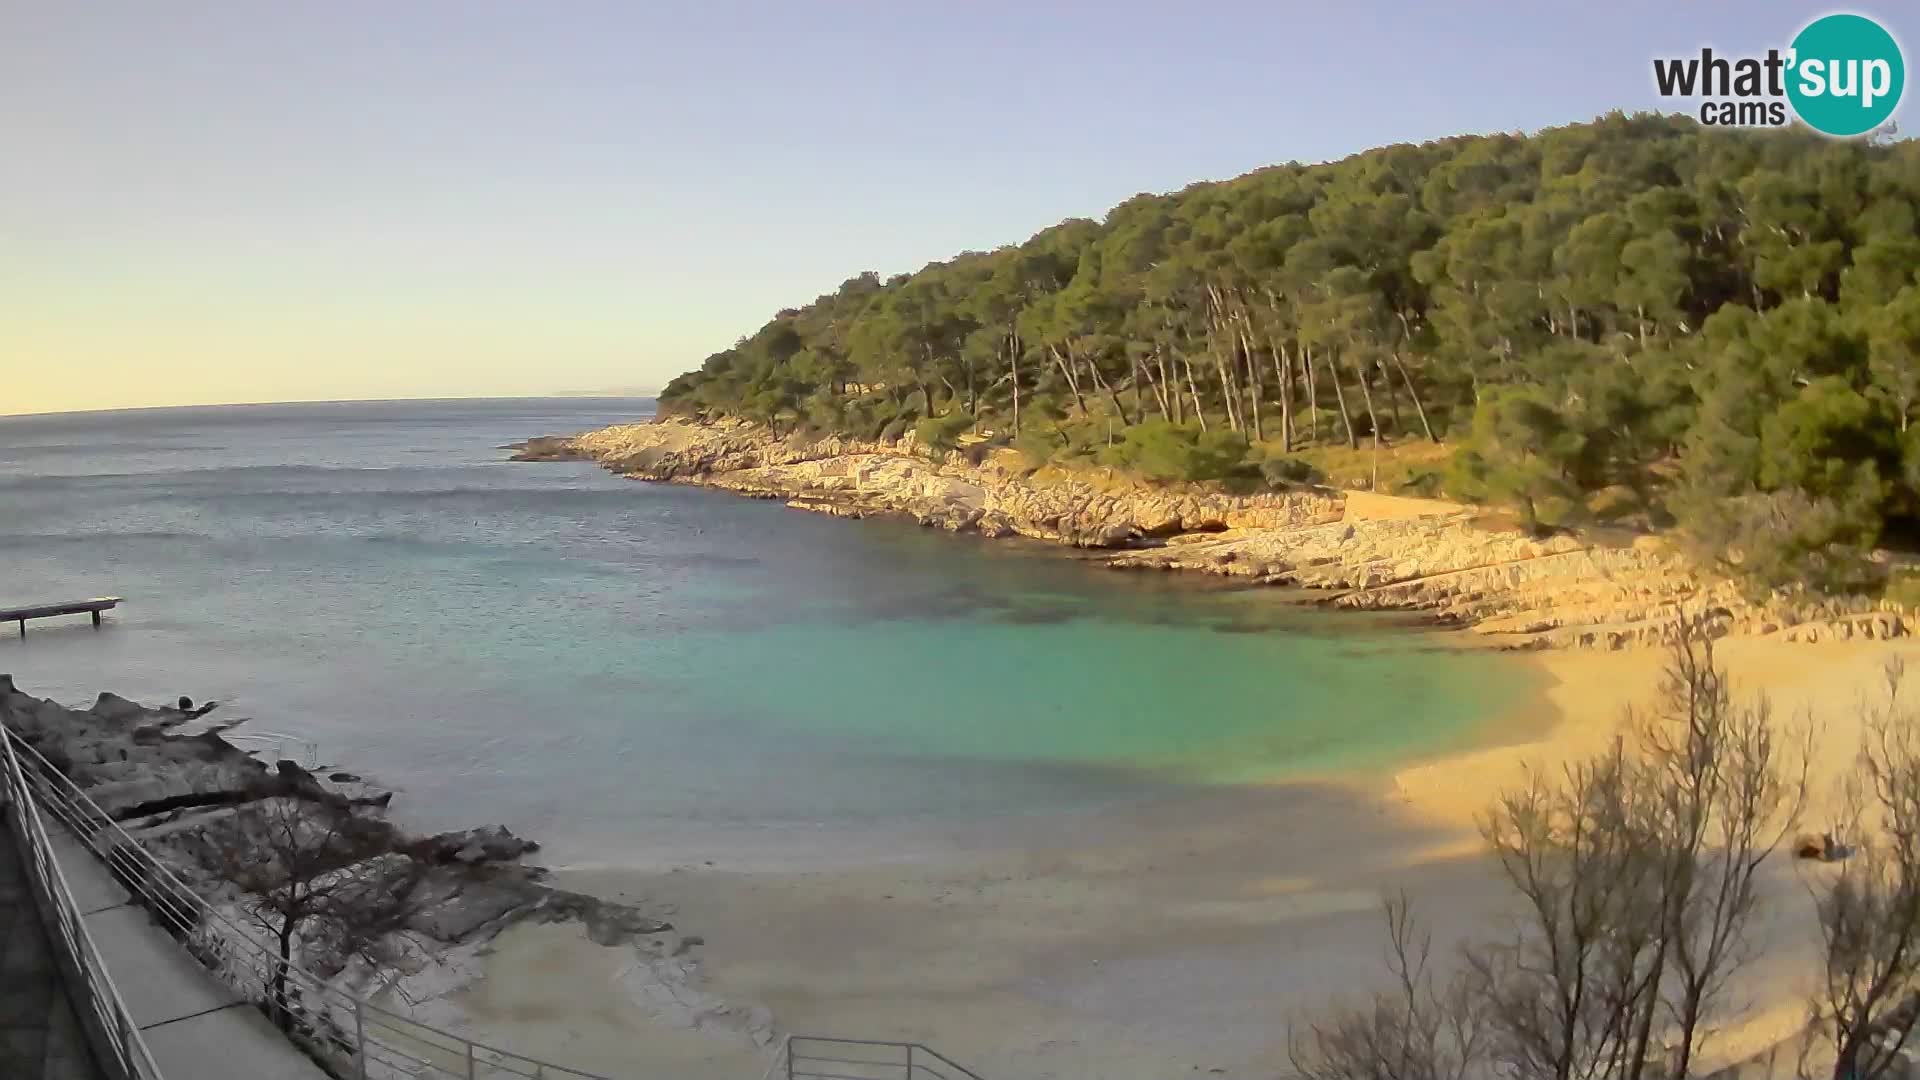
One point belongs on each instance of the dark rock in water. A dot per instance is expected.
(487, 843)
(298, 782)
(109, 706)
(547, 448)
(343, 778)
(470, 904)
(607, 923)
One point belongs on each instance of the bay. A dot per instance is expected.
(622, 669)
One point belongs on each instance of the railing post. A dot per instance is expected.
(470, 1072)
(789, 1057)
(909, 1061)
(359, 1039)
(128, 1035)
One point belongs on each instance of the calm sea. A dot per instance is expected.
(630, 671)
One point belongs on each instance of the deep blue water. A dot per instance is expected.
(624, 668)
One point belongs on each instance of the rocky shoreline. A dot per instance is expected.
(442, 898)
(1356, 550)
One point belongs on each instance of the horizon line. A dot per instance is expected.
(331, 401)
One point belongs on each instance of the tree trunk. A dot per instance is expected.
(1393, 396)
(1229, 379)
(1283, 369)
(1227, 388)
(1691, 1013)
(1253, 381)
(1643, 1024)
(1101, 384)
(282, 1015)
(926, 388)
(1172, 379)
(1013, 365)
(1199, 413)
(1340, 396)
(1415, 395)
(1313, 393)
(1073, 379)
(1133, 368)
(1846, 1065)
(1158, 382)
(1373, 419)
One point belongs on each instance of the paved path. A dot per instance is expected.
(196, 1027)
(40, 1036)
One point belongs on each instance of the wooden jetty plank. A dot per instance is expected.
(47, 611)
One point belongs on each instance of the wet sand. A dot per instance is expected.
(1176, 938)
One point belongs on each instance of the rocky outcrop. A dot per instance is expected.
(442, 897)
(174, 792)
(996, 496)
(548, 448)
(1355, 550)
(471, 847)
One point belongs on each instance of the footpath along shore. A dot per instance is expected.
(430, 907)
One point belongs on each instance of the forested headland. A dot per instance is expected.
(1635, 320)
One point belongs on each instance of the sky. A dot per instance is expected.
(223, 202)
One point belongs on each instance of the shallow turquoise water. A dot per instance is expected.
(1169, 689)
(597, 661)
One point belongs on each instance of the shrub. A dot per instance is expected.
(824, 412)
(940, 434)
(1784, 539)
(1037, 445)
(1519, 453)
(1168, 452)
(868, 416)
(1614, 502)
(1281, 471)
(1422, 483)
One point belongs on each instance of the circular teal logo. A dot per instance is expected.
(1846, 74)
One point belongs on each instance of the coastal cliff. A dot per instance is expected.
(1357, 550)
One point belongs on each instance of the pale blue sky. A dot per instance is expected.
(241, 201)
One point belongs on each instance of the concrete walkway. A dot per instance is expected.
(40, 1036)
(195, 1026)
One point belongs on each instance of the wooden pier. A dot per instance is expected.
(47, 611)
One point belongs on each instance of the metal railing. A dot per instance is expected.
(817, 1057)
(116, 1040)
(351, 1035)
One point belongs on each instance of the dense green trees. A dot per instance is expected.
(1713, 326)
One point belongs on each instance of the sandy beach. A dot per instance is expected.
(1171, 939)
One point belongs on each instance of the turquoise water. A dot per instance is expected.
(603, 663)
